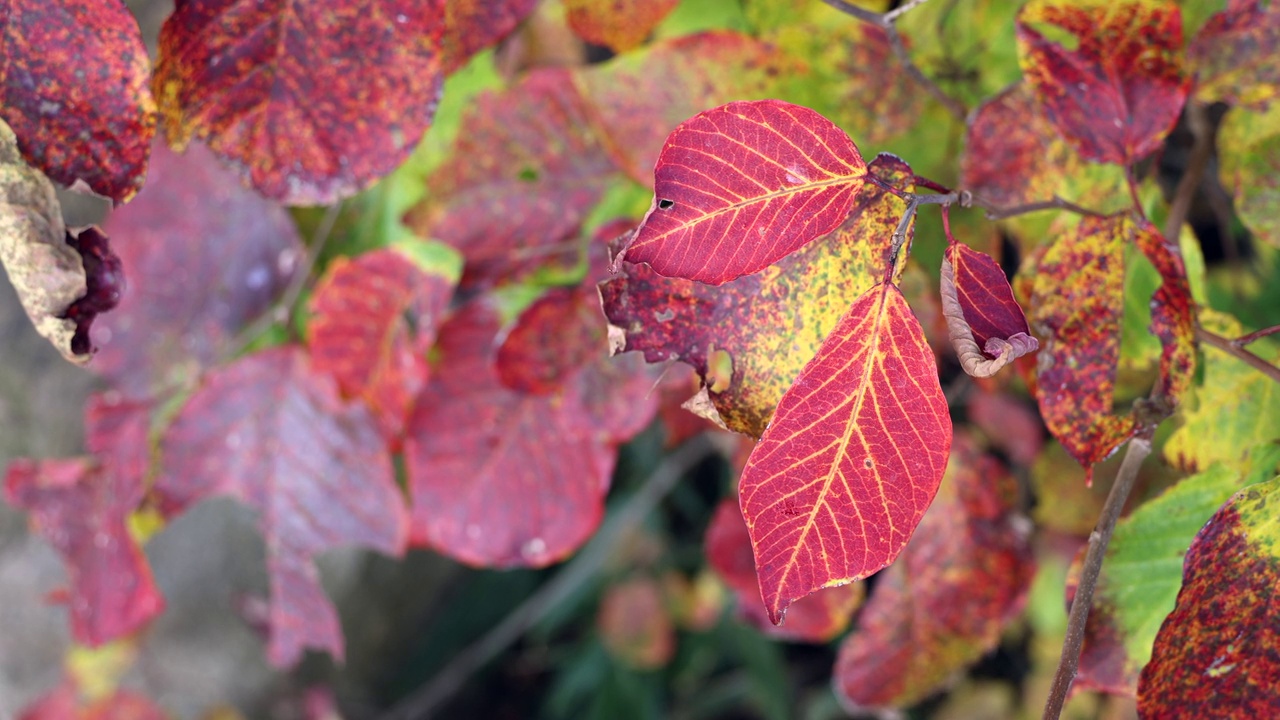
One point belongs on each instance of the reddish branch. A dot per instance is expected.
(1235, 348)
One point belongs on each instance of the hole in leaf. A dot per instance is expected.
(719, 370)
(868, 463)
(665, 204)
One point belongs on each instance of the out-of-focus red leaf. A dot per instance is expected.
(635, 624)
(555, 336)
(618, 25)
(743, 185)
(473, 25)
(80, 507)
(679, 383)
(272, 432)
(964, 576)
(1008, 423)
(1236, 55)
(853, 457)
(814, 618)
(75, 91)
(64, 703)
(204, 257)
(373, 319)
(1216, 654)
(1104, 662)
(1173, 317)
(308, 101)
(1013, 155)
(987, 327)
(1117, 88)
(1078, 302)
(503, 478)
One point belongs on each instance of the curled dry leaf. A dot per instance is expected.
(979, 307)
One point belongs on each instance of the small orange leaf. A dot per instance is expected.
(618, 25)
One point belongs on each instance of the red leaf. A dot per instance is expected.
(272, 433)
(553, 338)
(373, 320)
(75, 92)
(308, 101)
(204, 257)
(1172, 312)
(852, 458)
(618, 25)
(635, 624)
(1234, 56)
(982, 314)
(1009, 424)
(473, 25)
(80, 507)
(64, 703)
(1013, 155)
(741, 186)
(1118, 89)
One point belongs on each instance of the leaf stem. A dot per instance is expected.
(1235, 349)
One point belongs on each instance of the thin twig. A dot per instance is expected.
(905, 8)
(1231, 348)
(1255, 336)
(993, 212)
(1201, 151)
(423, 702)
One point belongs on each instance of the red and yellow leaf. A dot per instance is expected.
(739, 187)
(473, 25)
(1249, 148)
(309, 101)
(636, 625)
(619, 25)
(1236, 55)
(987, 327)
(852, 458)
(1173, 317)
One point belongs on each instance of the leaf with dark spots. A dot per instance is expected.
(271, 432)
(204, 257)
(1236, 55)
(308, 101)
(473, 25)
(75, 80)
(987, 327)
(553, 338)
(742, 186)
(619, 25)
(1173, 316)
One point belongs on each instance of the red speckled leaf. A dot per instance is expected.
(555, 336)
(960, 581)
(271, 432)
(309, 101)
(853, 457)
(814, 618)
(503, 478)
(1236, 55)
(473, 25)
(1117, 88)
(987, 327)
(741, 186)
(635, 624)
(80, 506)
(1078, 301)
(74, 76)
(524, 172)
(373, 319)
(617, 24)
(1218, 652)
(204, 257)
(1173, 317)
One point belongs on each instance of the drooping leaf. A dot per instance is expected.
(1236, 55)
(308, 101)
(204, 257)
(1173, 318)
(373, 320)
(831, 494)
(962, 578)
(814, 618)
(271, 432)
(1114, 86)
(473, 25)
(743, 185)
(619, 25)
(74, 78)
(1216, 653)
(553, 338)
(1077, 303)
(635, 624)
(987, 327)
(750, 337)
(1249, 145)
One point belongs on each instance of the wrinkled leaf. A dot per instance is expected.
(1236, 55)
(619, 25)
(473, 25)
(553, 338)
(987, 327)
(635, 624)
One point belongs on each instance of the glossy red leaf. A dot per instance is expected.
(473, 25)
(743, 185)
(619, 25)
(75, 91)
(987, 327)
(1115, 89)
(1236, 55)
(80, 507)
(308, 101)
(553, 338)
(203, 257)
(1173, 316)
(1078, 302)
(635, 624)
(271, 432)
(944, 604)
(373, 320)
(852, 458)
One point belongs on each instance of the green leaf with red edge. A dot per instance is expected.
(503, 478)
(559, 333)
(619, 25)
(74, 76)
(373, 320)
(1236, 55)
(635, 624)
(814, 618)
(741, 186)
(637, 99)
(204, 257)
(66, 702)
(308, 101)
(473, 25)
(1249, 148)
(1078, 302)
(987, 327)
(271, 432)
(80, 506)
(524, 172)
(852, 458)
(1216, 654)
(766, 325)
(944, 603)
(1173, 317)
(1114, 84)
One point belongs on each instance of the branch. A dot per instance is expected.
(1235, 349)
(968, 199)
(1201, 151)
(1255, 336)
